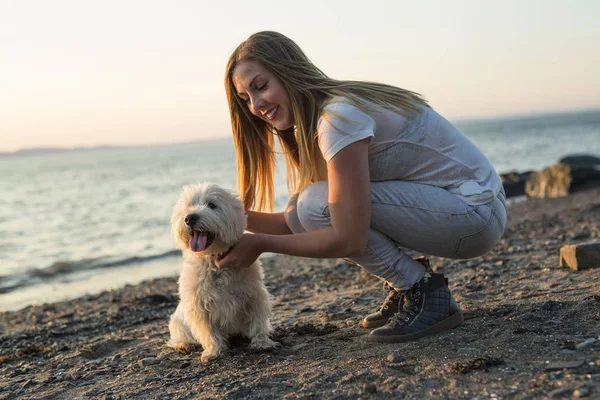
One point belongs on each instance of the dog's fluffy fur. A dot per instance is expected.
(215, 303)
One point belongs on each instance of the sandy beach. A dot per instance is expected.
(532, 331)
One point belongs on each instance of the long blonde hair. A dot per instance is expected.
(309, 89)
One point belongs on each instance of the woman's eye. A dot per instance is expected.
(245, 101)
(211, 205)
(261, 86)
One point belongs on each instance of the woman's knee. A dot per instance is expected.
(313, 207)
(291, 215)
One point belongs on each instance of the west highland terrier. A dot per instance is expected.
(215, 303)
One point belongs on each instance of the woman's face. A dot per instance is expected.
(263, 93)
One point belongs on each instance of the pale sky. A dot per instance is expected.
(87, 73)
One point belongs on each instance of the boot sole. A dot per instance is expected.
(451, 322)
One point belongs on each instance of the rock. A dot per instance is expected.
(394, 358)
(148, 361)
(153, 378)
(584, 178)
(184, 364)
(582, 392)
(551, 182)
(581, 161)
(369, 388)
(514, 183)
(298, 347)
(562, 392)
(559, 365)
(580, 256)
(585, 171)
(465, 349)
(585, 344)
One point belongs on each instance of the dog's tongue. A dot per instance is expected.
(198, 241)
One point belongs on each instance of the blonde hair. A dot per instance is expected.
(308, 89)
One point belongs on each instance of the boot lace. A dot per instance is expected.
(412, 298)
(392, 296)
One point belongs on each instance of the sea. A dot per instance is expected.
(83, 221)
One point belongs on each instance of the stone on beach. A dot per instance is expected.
(580, 256)
(555, 181)
(551, 182)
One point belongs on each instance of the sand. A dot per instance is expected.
(532, 331)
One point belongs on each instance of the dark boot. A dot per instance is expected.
(391, 305)
(428, 308)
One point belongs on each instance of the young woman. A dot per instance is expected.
(374, 169)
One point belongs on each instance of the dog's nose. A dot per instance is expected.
(191, 219)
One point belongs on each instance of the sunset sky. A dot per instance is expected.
(87, 73)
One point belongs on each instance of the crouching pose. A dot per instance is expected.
(374, 170)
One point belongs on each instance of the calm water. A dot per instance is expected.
(82, 221)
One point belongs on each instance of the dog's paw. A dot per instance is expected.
(183, 347)
(208, 356)
(263, 343)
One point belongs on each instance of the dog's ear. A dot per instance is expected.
(177, 216)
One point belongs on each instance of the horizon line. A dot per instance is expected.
(53, 149)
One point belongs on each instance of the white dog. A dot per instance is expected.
(215, 303)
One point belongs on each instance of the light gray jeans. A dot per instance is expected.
(409, 215)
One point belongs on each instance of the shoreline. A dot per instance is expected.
(58, 289)
(531, 330)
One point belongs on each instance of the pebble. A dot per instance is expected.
(585, 344)
(465, 349)
(350, 322)
(559, 365)
(298, 347)
(582, 392)
(148, 361)
(152, 378)
(394, 358)
(562, 392)
(369, 388)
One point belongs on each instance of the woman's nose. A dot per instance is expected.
(256, 103)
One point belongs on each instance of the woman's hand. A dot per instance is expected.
(243, 254)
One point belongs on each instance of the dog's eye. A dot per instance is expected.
(211, 205)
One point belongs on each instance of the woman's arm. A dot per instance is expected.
(268, 223)
(349, 208)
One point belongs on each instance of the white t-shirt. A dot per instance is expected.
(425, 148)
